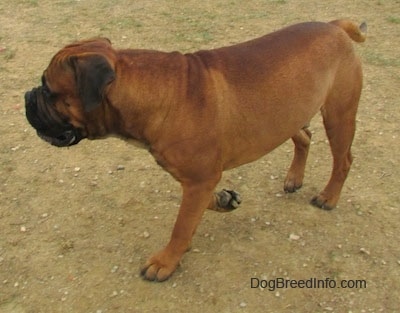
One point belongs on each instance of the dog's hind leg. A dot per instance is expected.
(339, 116)
(295, 175)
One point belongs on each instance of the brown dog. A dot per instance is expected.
(205, 112)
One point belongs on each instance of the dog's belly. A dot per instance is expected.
(258, 132)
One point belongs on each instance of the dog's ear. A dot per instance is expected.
(93, 72)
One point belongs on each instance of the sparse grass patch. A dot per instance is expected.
(33, 3)
(379, 59)
(122, 23)
(8, 54)
(393, 19)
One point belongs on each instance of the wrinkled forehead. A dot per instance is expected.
(58, 78)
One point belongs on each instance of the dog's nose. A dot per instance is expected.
(28, 96)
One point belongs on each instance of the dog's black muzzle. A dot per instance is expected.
(50, 125)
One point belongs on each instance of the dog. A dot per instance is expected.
(202, 113)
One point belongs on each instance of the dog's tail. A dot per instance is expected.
(357, 33)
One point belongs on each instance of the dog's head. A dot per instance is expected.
(66, 107)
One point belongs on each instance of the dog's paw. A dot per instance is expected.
(293, 181)
(323, 202)
(160, 267)
(228, 200)
(291, 185)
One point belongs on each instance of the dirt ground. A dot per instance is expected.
(76, 224)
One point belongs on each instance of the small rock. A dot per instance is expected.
(114, 269)
(294, 237)
(146, 234)
(363, 250)
(77, 169)
(23, 229)
(120, 167)
(243, 304)
(114, 294)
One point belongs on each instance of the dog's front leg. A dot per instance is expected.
(196, 198)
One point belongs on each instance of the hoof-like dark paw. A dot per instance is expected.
(293, 182)
(160, 267)
(291, 188)
(322, 203)
(228, 200)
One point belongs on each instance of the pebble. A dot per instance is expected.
(120, 167)
(114, 269)
(23, 229)
(114, 294)
(363, 250)
(294, 237)
(146, 234)
(243, 304)
(77, 169)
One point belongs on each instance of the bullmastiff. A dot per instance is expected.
(202, 113)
